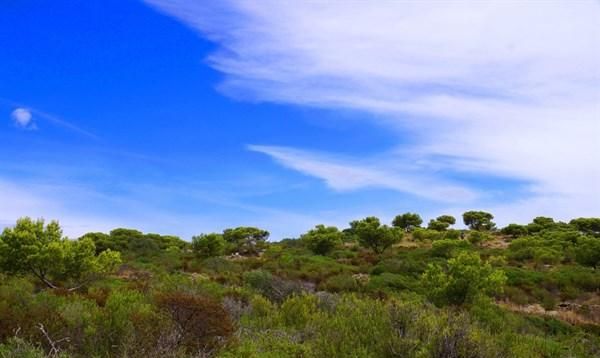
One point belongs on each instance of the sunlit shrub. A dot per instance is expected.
(340, 283)
(446, 248)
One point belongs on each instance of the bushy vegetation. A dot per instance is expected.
(369, 290)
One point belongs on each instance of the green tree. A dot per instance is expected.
(371, 234)
(407, 221)
(208, 245)
(590, 226)
(587, 251)
(31, 247)
(464, 279)
(246, 240)
(477, 237)
(322, 239)
(544, 221)
(479, 220)
(451, 220)
(514, 230)
(437, 225)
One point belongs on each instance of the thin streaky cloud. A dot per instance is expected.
(345, 175)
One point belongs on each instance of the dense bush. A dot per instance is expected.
(464, 280)
(208, 245)
(446, 248)
(371, 234)
(322, 240)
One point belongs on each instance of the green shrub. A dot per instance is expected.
(208, 245)
(588, 252)
(390, 282)
(427, 234)
(274, 288)
(18, 348)
(464, 280)
(478, 237)
(340, 283)
(322, 240)
(446, 248)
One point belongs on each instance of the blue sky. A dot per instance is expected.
(181, 117)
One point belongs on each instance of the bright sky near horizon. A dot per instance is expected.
(181, 117)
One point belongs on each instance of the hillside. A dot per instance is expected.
(369, 290)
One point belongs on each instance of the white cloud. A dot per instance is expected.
(344, 174)
(504, 88)
(22, 118)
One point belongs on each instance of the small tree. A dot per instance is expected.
(464, 279)
(477, 238)
(38, 249)
(514, 230)
(321, 240)
(437, 225)
(479, 220)
(208, 245)
(451, 220)
(246, 240)
(373, 235)
(407, 221)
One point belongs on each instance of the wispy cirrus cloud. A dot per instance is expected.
(344, 174)
(504, 88)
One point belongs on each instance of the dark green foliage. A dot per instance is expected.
(274, 288)
(441, 223)
(389, 282)
(133, 243)
(371, 234)
(589, 226)
(447, 219)
(208, 245)
(588, 252)
(479, 220)
(340, 283)
(322, 240)
(407, 221)
(437, 225)
(514, 230)
(246, 240)
(446, 248)
(478, 237)
(426, 234)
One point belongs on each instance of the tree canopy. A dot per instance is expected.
(407, 221)
(479, 220)
(246, 240)
(31, 247)
(208, 245)
(465, 278)
(322, 239)
(371, 234)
